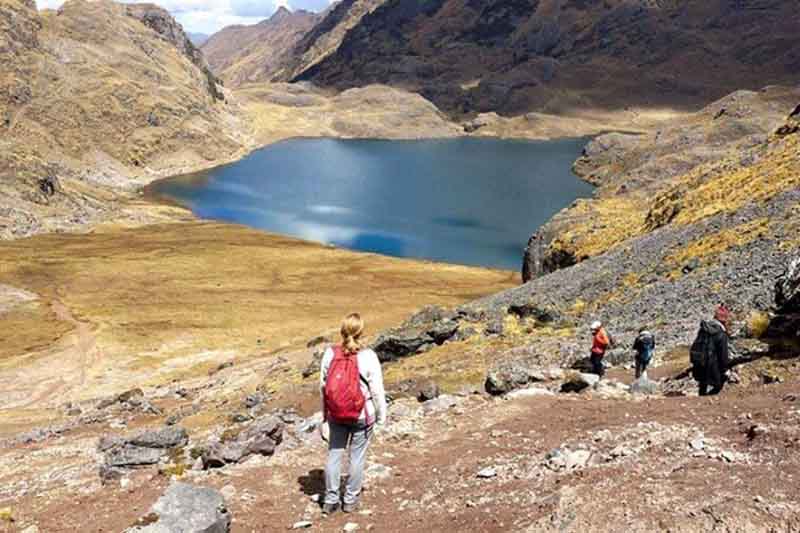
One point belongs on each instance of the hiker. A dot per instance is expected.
(600, 343)
(353, 401)
(709, 353)
(644, 346)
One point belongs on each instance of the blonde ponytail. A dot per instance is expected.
(352, 329)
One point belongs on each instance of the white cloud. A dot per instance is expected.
(209, 16)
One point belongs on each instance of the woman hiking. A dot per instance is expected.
(353, 401)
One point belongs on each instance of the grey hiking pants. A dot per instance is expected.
(358, 437)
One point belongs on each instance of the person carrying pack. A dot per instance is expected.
(709, 353)
(353, 401)
(600, 343)
(644, 346)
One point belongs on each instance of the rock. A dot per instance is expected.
(564, 458)
(166, 437)
(350, 527)
(756, 431)
(442, 403)
(495, 326)
(228, 492)
(186, 508)
(727, 456)
(316, 341)
(787, 289)
(487, 473)
(304, 524)
(31, 529)
(144, 448)
(261, 437)
(130, 456)
(316, 361)
(6, 514)
(530, 393)
(697, 444)
(130, 395)
(530, 310)
(429, 327)
(577, 459)
(254, 400)
(428, 391)
(377, 472)
(518, 368)
(579, 382)
(644, 386)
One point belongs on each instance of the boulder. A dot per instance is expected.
(530, 393)
(442, 403)
(787, 289)
(579, 382)
(144, 448)
(519, 368)
(186, 508)
(426, 329)
(644, 386)
(785, 325)
(126, 456)
(428, 391)
(261, 437)
(566, 459)
(531, 310)
(166, 437)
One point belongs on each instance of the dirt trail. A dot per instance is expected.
(55, 373)
(643, 472)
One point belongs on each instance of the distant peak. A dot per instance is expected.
(281, 12)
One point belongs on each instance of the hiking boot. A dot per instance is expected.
(330, 508)
(350, 507)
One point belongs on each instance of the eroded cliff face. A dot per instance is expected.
(475, 56)
(105, 97)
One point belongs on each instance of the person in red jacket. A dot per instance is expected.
(600, 343)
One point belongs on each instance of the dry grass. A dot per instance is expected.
(600, 225)
(173, 301)
(757, 324)
(709, 247)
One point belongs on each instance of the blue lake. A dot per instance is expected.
(467, 201)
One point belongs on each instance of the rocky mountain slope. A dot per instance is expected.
(102, 97)
(554, 56)
(246, 54)
(324, 39)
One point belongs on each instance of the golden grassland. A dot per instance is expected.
(151, 304)
(723, 187)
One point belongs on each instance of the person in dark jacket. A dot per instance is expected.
(711, 376)
(644, 346)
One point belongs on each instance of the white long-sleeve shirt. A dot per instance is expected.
(370, 369)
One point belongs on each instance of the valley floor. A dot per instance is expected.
(86, 316)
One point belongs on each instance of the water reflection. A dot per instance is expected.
(470, 201)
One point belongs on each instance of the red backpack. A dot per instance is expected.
(344, 400)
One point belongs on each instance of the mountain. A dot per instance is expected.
(198, 39)
(106, 97)
(244, 54)
(325, 38)
(555, 56)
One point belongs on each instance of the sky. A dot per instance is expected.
(209, 16)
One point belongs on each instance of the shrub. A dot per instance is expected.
(757, 324)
